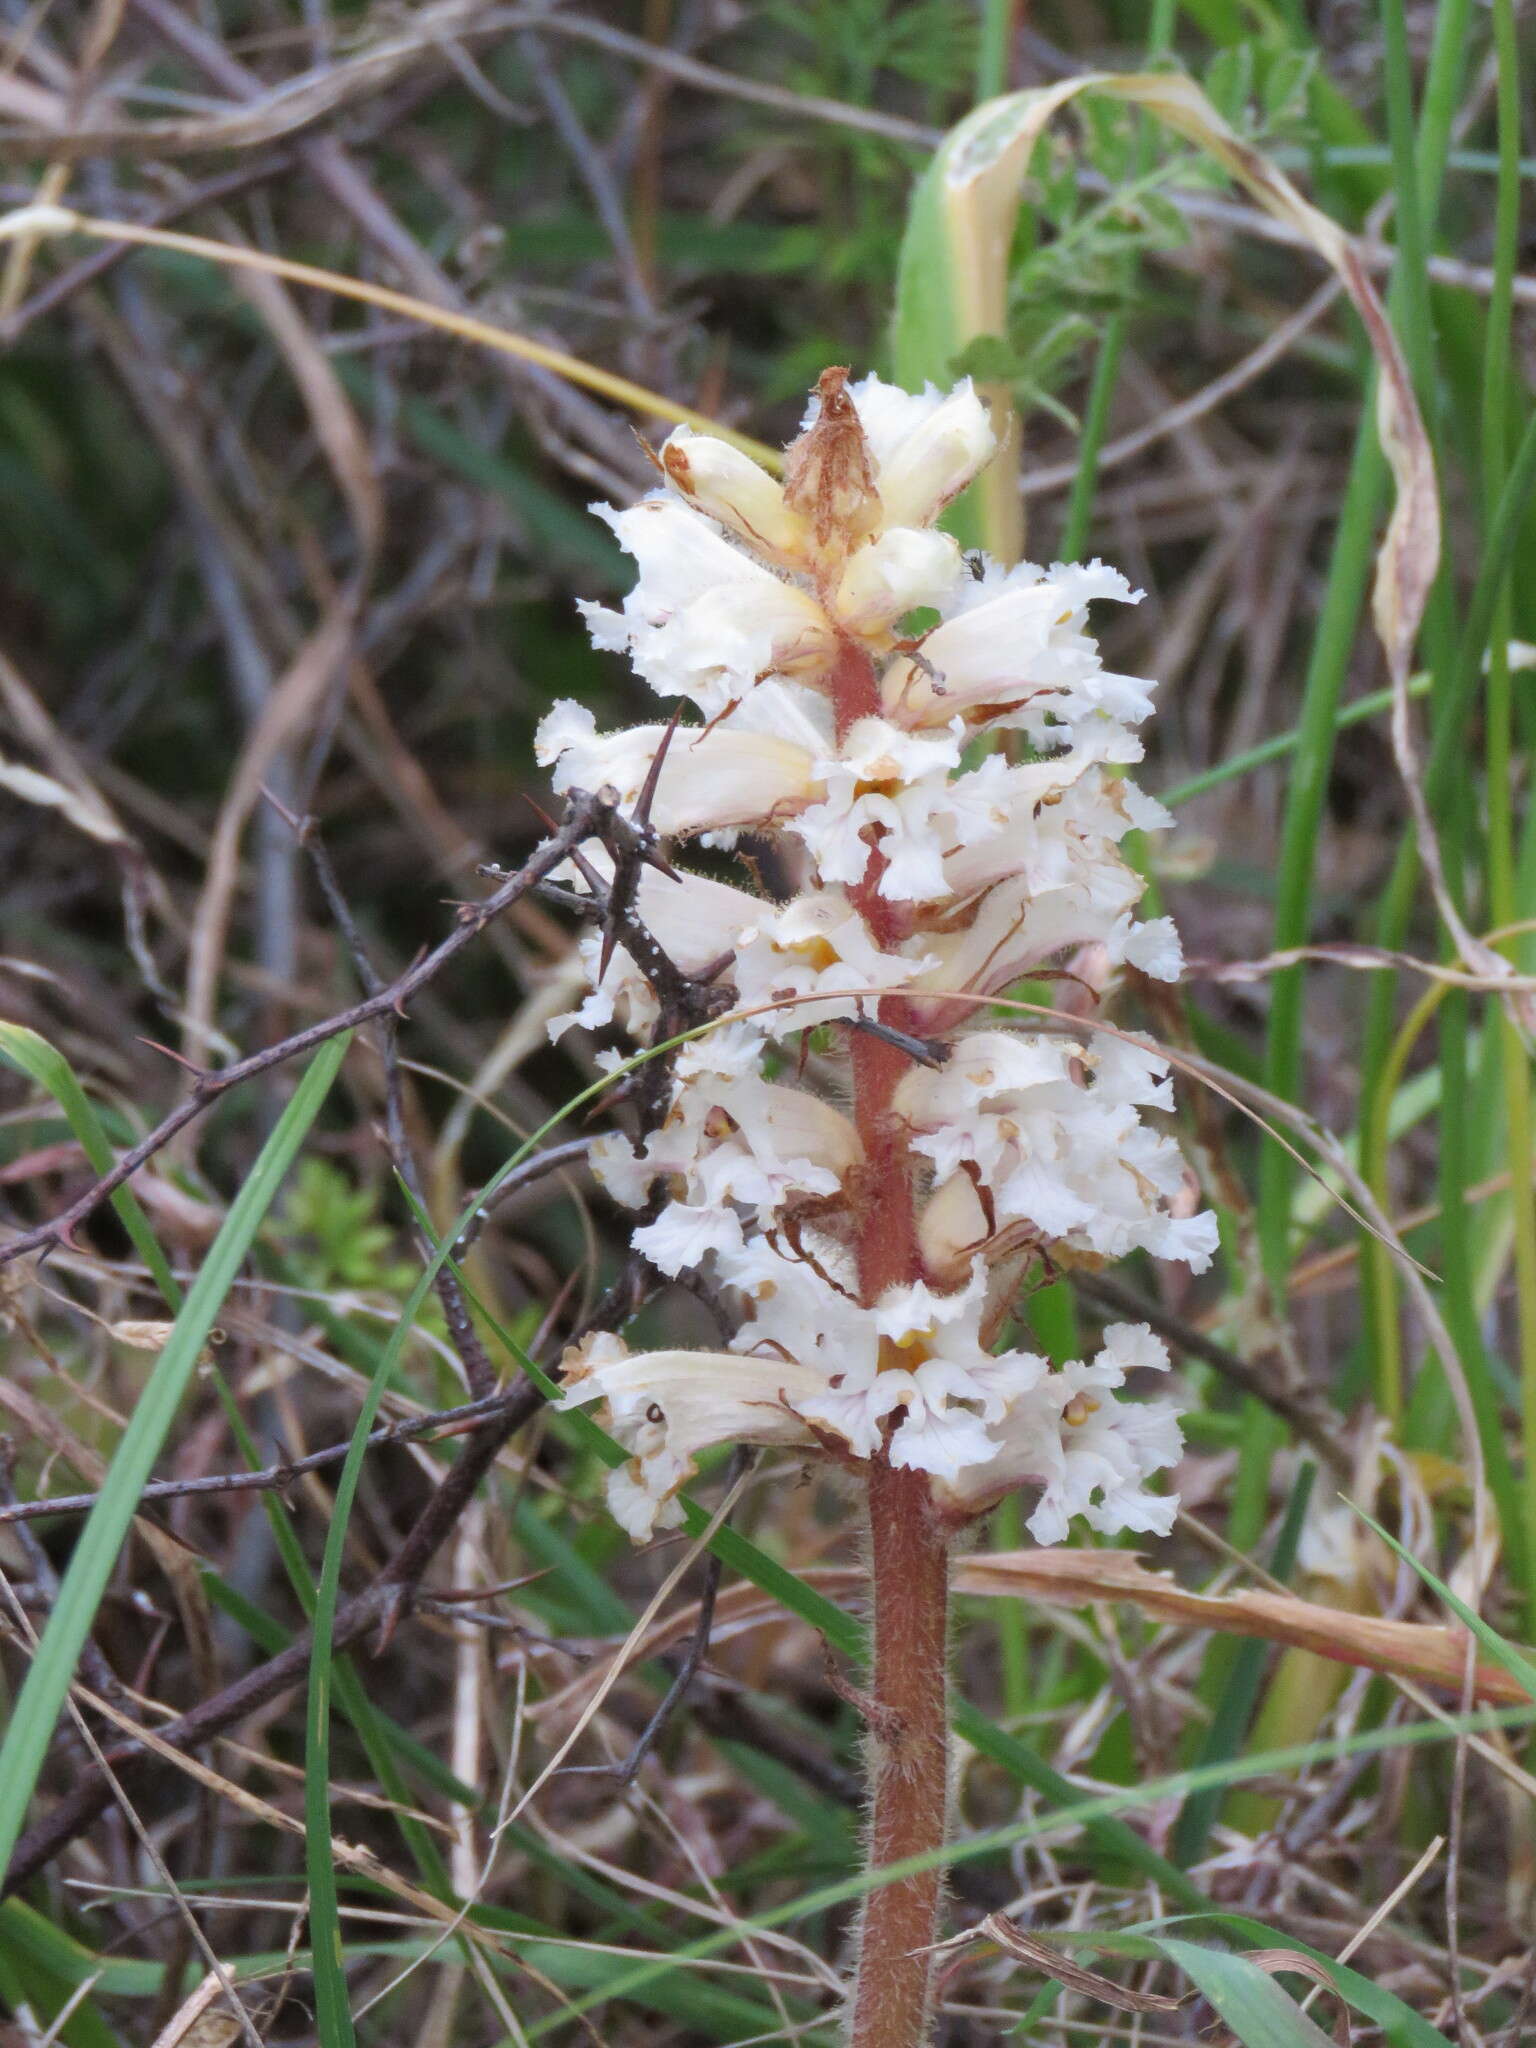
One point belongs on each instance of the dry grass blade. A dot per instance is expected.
(1071, 1578)
(45, 219)
(194, 2026)
(1366, 960)
(1046, 1957)
(1077, 1578)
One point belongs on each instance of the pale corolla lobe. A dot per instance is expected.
(929, 872)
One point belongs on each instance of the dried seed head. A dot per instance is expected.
(829, 478)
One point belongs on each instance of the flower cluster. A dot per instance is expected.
(863, 1161)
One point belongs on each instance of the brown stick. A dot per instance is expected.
(587, 816)
(279, 1477)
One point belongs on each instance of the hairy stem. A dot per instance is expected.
(909, 1549)
(909, 1755)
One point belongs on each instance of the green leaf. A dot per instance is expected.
(32, 1055)
(1502, 1651)
(1246, 1997)
(47, 1682)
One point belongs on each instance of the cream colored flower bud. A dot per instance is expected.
(935, 462)
(721, 481)
(952, 1228)
(907, 567)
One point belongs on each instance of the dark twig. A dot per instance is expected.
(280, 1477)
(585, 817)
(552, 1160)
(379, 1606)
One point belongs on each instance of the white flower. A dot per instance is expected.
(725, 776)
(705, 620)
(899, 572)
(905, 1314)
(1090, 1453)
(730, 487)
(926, 446)
(897, 881)
(682, 1236)
(665, 1407)
(1153, 947)
(1013, 650)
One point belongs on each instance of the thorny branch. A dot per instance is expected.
(280, 1477)
(683, 1001)
(587, 817)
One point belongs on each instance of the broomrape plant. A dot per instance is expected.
(871, 1214)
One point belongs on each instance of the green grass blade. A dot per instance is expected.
(993, 1841)
(1246, 1997)
(1500, 1649)
(32, 1055)
(47, 1682)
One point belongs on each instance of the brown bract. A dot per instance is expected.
(828, 476)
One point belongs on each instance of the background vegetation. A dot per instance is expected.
(273, 556)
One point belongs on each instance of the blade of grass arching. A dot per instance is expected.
(32, 1055)
(65, 2013)
(1499, 1648)
(1401, 2026)
(1104, 1805)
(96, 1551)
(25, 1932)
(1235, 1703)
(1247, 1998)
(841, 1630)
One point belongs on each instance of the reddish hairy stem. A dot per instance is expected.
(909, 1757)
(909, 1551)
